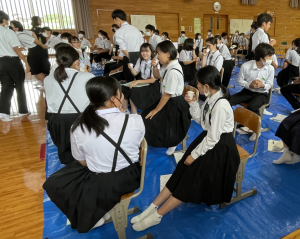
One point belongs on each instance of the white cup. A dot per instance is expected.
(130, 65)
(191, 94)
(207, 50)
(157, 61)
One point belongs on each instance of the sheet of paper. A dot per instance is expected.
(138, 85)
(246, 129)
(241, 131)
(163, 180)
(178, 156)
(275, 146)
(278, 118)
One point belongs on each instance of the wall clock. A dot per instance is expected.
(217, 6)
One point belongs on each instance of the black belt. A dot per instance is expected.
(9, 57)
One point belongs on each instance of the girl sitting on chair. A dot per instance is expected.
(142, 97)
(86, 189)
(207, 171)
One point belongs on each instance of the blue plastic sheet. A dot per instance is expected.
(273, 213)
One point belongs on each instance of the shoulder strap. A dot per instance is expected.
(213, 108)
(173, 69)
(67, 95)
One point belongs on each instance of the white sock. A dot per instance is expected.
(107, 216)
(99, 223)
(296, 159)
(147, 222)
(253, 137)
(151, 209)
(171, 150)
(285, 157)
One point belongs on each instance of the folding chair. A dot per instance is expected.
(134, 56)
(119, 214)
(253, 122)
(262, 108)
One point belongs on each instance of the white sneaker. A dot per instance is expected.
(127, 112)
(267, 112)
(147, 222)
(5, 117)
(151, 209)
(253, 137)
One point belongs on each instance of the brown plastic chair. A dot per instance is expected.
(253, 122)
(262, 108)
(119, 214)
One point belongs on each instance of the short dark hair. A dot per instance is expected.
(218, 37)
(81, 32)
(115, 25)
(145, 46)
(212, 40)
(142, 32)
(182, 32)
(65, 35)
(104, 34)
(156, 31)
(46, 29)
(166, 34)
(167, 46)
(264, 17)
(224, 34)
(188, 44)
(209, 30)
(150, 27)
(254, 25)
(60, 45)
(3, 16)
(262, 50)
(73, 38)
(118, 13)
(55, 33)
(297, 44)
(17, 24)
(35, 21)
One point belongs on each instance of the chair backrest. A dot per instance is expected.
(133, 57)
(222, 73)
(191, 88)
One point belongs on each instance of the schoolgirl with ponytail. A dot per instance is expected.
(66, 98)
(105, 143)
(207, 171)
(212, 55)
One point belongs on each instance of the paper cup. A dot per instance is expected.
(191, 94)
(130, 65)
(157, 61)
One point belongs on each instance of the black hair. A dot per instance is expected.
(17, 24)
(166, 34)
(297, 44)
(3, 16)
(65, 35)
(167, 46)
(99, 90)
(237, 31)
(46, 29)
(218, 37)
(262, 50)
(264, 18)
(142, 32)
(55, 33)
(118, 13)
(65, 57)
(182, 32)
(73, 38)
(115, 25)
(60, 44)
(150, 27)
(242, 33)
(196, 36)
(209, 30)
(224, 34)
(145, 46)
(156, 31)
(81, 32)
(35, 21)
(209, 75)
(212, 40)
(254, 25)
(105, 34)
(100, 31)
(188, 44)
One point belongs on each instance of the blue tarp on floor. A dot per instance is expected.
(273, 213)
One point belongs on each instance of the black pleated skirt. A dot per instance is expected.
(85, 196)
(105, 55)
(143, 97)
(289, 132)
(38, 60)
(228, 67)
(59, 126)
(170, 125)
(285, 74)
(210, 178)
(189, 73)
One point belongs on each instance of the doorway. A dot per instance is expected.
(216, 23)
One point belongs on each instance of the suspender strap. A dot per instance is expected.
(172, 69)
(213, 107)
(67, 95)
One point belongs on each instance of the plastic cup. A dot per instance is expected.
(130, 65)
(191, 94)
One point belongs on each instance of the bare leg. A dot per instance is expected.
(169, 205)
(125, 104)
(162, 197)
(40, 77)
(285, 65)
(133, 107)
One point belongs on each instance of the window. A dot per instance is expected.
(56, 14)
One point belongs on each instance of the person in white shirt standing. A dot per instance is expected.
(12, 73)
(181, 41)
(235, 40)
(199, 44)
(257, 77)
(154, 39)
(209, 34)
(207, 171)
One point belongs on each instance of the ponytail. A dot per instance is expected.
(60, 73)
(226, 93)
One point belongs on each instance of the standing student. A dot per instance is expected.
(104, 171)
(209, 34)
(181, 40)
(199, 43)
(264, 21)
(85, 43)
(287, 62)
(142, 97)
(228, 63)
(207, 171)
(154, 38)
(165, 36)
(66, 99)
(84, 60)
(38, 61)
(257, 78)
(212, 56)
(225, 38)
(104, 52)
(250, 54)
(51, 40)
(171, 113)
(12, 73)
(235, 40)
(292, 70)
(187, 59)
(143, 37)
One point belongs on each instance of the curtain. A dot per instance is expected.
(294, 3)
(244, 1)
(252, 2)
(82, 17)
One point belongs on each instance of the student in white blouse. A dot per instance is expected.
(257, 77)
(243, 43)
(105, 144)
(209, 34)
(165, 36)
(224, 38)
(51, 40)
(199, 43)
(104, 52)
(85, 43)
(287, 56)
(212, 56)
(64, 107)
(154, 39)
(170, 113)
(264, 21)
(144, 96)
(84, 59)
(235, 39)
(143, 37)
(207, 171)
